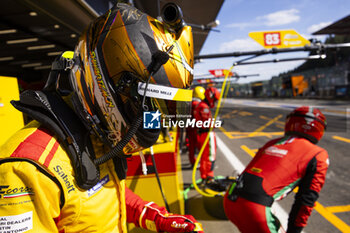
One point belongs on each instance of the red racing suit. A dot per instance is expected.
(277, 168)
(192, 135)
(38, 192)
(202, 113)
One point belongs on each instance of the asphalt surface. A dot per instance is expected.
(249, 124)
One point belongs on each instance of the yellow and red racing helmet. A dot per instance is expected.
(114, 62)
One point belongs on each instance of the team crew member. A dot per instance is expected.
(198, 96)
(65, 171)
(278, 167)
(202, 113)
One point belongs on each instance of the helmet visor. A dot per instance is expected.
(171, 102)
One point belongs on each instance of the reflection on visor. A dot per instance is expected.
(172, 102)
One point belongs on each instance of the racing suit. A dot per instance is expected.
(38, 192)
(192, 135)
(277, 168)
(202, 113)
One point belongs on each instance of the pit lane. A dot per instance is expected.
(248, 124)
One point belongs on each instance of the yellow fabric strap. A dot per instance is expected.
(183, 95)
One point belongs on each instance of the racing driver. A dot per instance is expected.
(65, 171)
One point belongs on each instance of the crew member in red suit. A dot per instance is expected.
(202, 113)
(278, 167)
(198, 96)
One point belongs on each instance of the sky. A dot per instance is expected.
(239, 17)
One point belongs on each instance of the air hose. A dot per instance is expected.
(159, 58)
(117, 151)
(207, 139)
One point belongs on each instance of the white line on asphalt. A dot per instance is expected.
(239, 167)
(343, 110)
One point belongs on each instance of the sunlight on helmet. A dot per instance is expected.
(199, 92)
(113, 56)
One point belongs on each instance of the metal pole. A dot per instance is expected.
(158, 180)
(311, 47)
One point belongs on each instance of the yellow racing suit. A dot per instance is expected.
(38, 192)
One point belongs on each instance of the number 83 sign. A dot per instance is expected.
(272, 38)
(279, 39)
